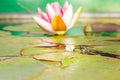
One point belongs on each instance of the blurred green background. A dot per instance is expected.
(88, 5)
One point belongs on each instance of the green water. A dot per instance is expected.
(88, 5)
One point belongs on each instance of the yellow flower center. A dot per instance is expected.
(58, 25)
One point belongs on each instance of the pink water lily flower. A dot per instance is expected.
(57, 20)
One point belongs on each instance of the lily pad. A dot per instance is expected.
(12, 46)
(113, 49)
(84, 67)
(23, 27)
(100, 68)
(75, 31)
(21, 68)
(55, 57)
(3, 33)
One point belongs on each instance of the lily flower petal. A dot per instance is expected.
(43, 15)
(65, 6)
(50, 12)
(67, 16)
(58, 25)
(57, 8)
(75, 18)
(45, 25)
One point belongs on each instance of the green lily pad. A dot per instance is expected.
(23, 27)
(84, 67)
(75, 31)
(3, 33)
(12, 46)
(36, 51)
(114, 49)
(21, 68)
(55, 57)
(93, 68)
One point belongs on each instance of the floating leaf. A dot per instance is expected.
(30, 51)
(98, 67)
(22, 27)
(12, 46)
(114, 49)
(22, 68)
(3, 33)
(83, 67)
(57, 57)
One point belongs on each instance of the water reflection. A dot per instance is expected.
(68, 44)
